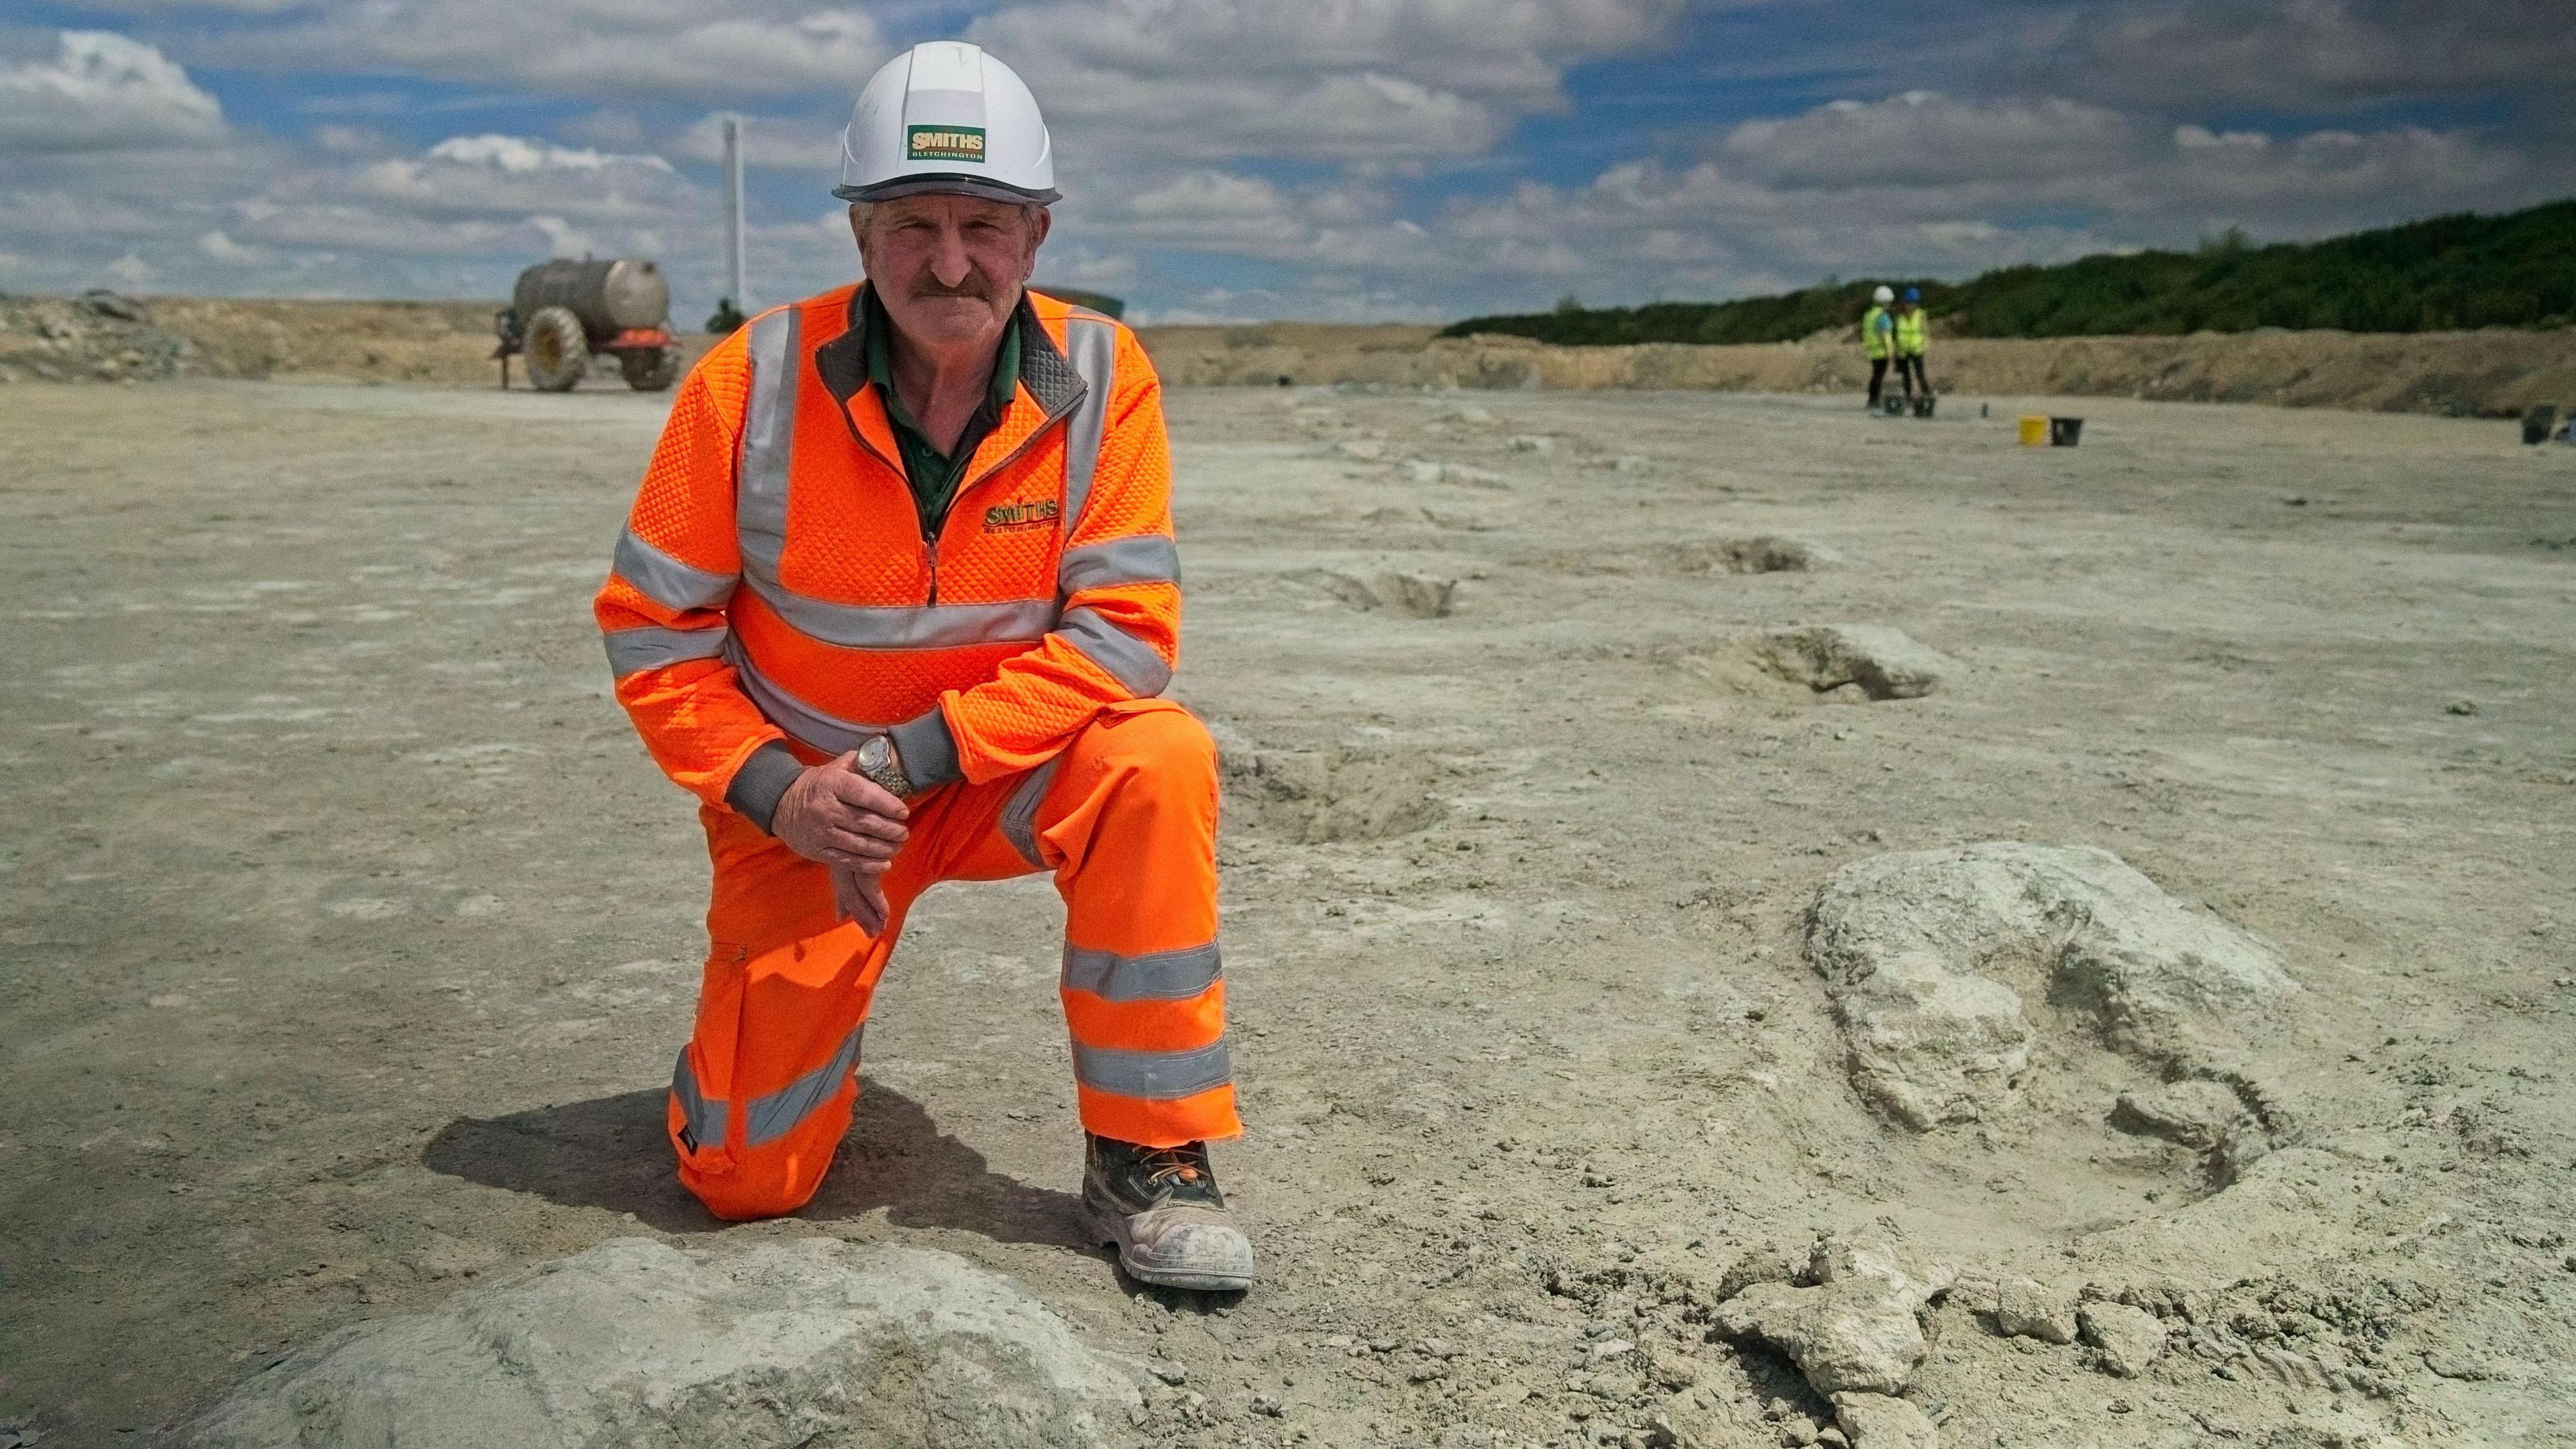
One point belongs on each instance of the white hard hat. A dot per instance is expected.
(947, 117)
(1883, 295)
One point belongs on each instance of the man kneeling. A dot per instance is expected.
(897, 602)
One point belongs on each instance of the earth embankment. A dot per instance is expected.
(2497, 372)
(2490, 373)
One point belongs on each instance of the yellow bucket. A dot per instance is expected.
(2034, 432)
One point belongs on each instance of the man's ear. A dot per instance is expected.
(1038, 230)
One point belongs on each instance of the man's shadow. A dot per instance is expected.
(611, 1153)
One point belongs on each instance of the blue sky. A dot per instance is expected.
(1239, 159)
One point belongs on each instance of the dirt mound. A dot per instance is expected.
(102, 337)
(1763, 555)
(1836, 663)
(58, 340)
(1314, 796)
(2495, 372)
(1417, 595)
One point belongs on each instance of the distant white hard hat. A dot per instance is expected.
(1883, 296)
(947, 117)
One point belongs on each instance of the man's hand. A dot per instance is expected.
(859, 898)
(835, 815)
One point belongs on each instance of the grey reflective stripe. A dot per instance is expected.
(769, 1118)
(828, 733)
(704, 1115)
(929, 626)
(632, 651)
(1091, 342)
(1162, 976)
(1147, 558)
(769, 425)
(1156, 1076)
(664, 579)
(1020, 812)
(1130, 660)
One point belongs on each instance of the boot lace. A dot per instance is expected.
(1168, 1166)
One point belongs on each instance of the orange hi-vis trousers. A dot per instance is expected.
(1125, 817)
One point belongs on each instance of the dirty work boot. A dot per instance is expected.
(1161, 1206)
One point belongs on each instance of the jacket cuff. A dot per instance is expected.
(928, 751)
(760, 782)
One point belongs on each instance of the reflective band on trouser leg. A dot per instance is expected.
(699, 1120)
(1130, 817)
(766, 1119)
(1020, 813)
(781, 1013)
(1161, 976)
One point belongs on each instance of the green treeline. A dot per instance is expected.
(2446, 273)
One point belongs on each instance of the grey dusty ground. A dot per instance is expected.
(346, 935)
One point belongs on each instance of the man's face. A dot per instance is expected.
(949, 268)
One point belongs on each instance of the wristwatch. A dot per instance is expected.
(878, 761)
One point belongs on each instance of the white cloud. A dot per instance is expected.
(518, 155)
(103, 92)
(1374, 82)
(2168, 54)
(623, 50)
(232, 253)
(774, 143)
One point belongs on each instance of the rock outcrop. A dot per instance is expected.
(1851, 1323)
(635, 1343)
(1911, 946)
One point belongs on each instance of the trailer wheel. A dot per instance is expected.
(650, 369)
(558, 350)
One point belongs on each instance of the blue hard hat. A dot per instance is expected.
(1914, 294)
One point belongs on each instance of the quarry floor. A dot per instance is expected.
(347, 935)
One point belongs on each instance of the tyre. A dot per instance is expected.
(650, 369)
(558, 350)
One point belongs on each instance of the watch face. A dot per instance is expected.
(874, 754)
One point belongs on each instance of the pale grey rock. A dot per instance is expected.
(1910, 945)
(635, 1343)
(1870, 660)
(2028, 1309)
(1419, 595)
(1883, 1421)
(2129, 1339)
(2196, 1113)
(1854, 1325)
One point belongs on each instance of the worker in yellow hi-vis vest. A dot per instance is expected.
(1878, 340)
(1913, 335)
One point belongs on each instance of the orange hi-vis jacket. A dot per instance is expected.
(774, 583)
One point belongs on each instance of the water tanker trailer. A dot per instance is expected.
(564, 312)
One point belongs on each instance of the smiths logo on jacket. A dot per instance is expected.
(944, 143)
(1011, 517)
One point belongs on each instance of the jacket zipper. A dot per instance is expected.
(930, 528)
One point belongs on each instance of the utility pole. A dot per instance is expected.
(733, 193)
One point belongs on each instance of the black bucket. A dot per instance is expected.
(2065, 432)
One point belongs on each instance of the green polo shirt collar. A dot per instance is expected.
(934, 475)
